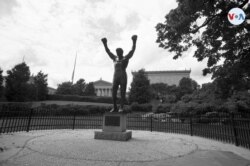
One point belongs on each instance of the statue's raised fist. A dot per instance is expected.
(104, 40)
(134, 37)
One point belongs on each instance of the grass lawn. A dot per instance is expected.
(48, 102)
(37, 103)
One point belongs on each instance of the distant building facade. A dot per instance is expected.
(170, 77)
(51, 91)
(4, 81)
(103, 88)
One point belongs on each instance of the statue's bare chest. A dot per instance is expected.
(120, 64)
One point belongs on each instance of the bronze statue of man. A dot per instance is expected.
(120, 75)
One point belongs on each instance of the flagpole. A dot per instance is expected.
(73, 74)
(23, 58)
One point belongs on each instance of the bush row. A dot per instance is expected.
(194, 108)
(135, 107)
(54, 109)
(95, 99)
(15, 109)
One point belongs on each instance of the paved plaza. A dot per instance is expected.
(77, 147)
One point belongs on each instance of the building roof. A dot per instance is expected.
(102, 83)
(166, 71)
(50, 88)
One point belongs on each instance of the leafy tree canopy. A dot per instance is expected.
(1, 82)
(140, 88)
(17, 83)
(79, 87)
(89, 90)
(159, 89)
(187, 85)
(207, 94)
(204, 24)
(65, 88)
(40, 81)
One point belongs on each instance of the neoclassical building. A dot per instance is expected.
(103, 88)
(170, 77)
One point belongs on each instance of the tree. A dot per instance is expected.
(32, 91)
(140, 88)
(215, 39)
(64, 88)
(186, 86)
(159, 89)
(79, 87)
(89, 90)
(41, 85)
(208, 93)
(195, 85)
(1, 82)
(16, 83)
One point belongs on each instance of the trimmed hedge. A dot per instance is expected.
(15, 109)
(192, 108)
(15, 106)
(72, 109)
(94, 99)
(54, 109)
(135, 107)
(164, 108)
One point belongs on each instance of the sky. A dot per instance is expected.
(47, 35)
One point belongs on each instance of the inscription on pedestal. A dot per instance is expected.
(114, 127)
(112, 121)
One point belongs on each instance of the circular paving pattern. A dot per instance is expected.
(82, 145)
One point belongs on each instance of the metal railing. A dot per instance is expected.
(231, 128)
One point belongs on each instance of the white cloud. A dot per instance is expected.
(6, 7)
(50, 32)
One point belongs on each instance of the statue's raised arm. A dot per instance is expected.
(130, 54)
(111, 55)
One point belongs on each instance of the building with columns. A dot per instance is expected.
(170, 77)
(103, 88)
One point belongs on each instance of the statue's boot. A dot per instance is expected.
(113, 110)
(120, 110)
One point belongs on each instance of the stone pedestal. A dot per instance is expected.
(114, 127)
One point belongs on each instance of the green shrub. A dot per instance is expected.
(95, 99)
(15, 109)
(243, 107)
(169, 98)
(202, 119)
(202, 109)
(164, 108)
(135, 107)
(183, 108)
(222, 109)
(186, 98)
(69, 109)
